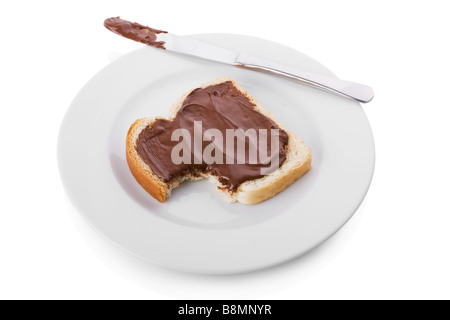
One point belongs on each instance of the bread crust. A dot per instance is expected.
(268, 190)
(250, 192)
(146, 178)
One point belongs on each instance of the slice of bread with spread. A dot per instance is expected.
(220, 103)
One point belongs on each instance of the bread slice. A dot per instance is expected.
(298, 161)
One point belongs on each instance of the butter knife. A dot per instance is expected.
(185, 45)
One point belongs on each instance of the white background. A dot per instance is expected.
(396, 246)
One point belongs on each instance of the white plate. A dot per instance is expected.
(196, 230)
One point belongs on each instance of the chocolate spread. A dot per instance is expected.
(135, 31)
(221, 107)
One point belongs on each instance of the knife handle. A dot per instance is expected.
(352, 90)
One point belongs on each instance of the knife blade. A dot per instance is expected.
(185, 45)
